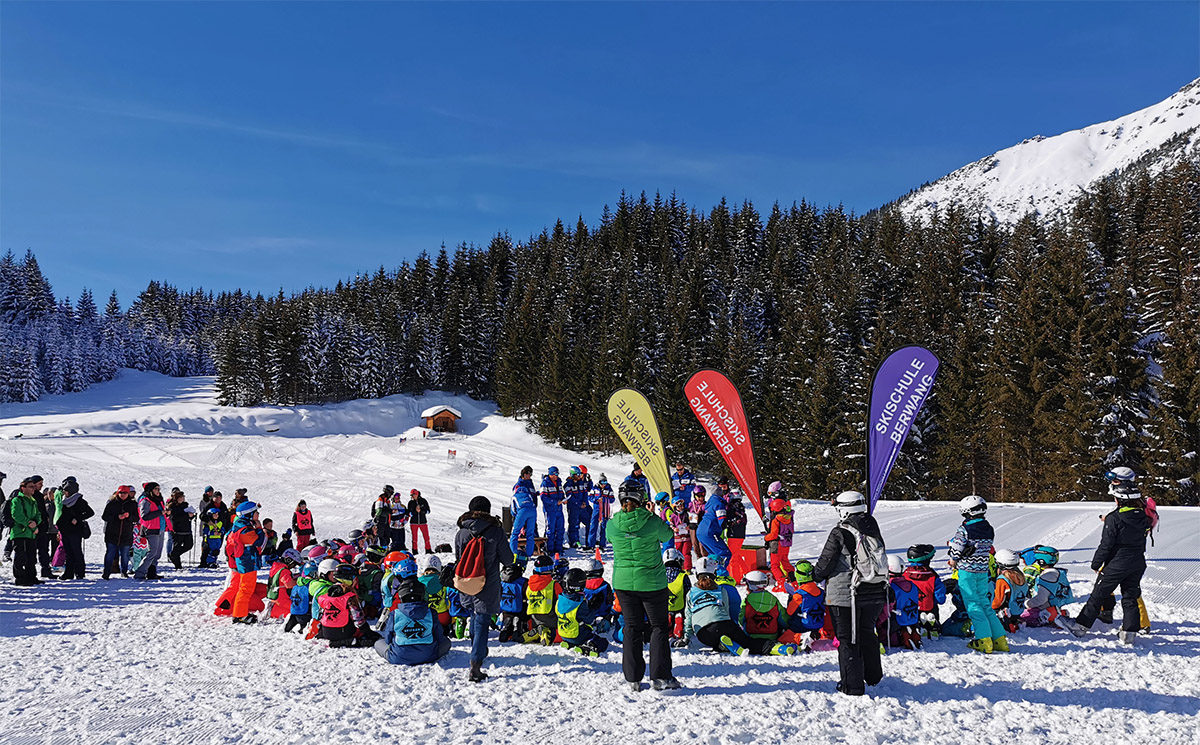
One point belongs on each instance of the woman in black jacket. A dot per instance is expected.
(180, 514)
(73, 527)
(120, 515)
(418, 519)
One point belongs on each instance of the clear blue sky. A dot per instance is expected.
(272, 145)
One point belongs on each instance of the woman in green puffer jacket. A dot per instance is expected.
(640, 582)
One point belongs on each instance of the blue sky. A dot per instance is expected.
(273, 145)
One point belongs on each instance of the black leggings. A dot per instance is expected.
(710, 636)
(636, 609)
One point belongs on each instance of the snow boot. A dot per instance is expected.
(981, 645)
(733, 647)
(999, 643)
(635, 686)
(1105, 616)
(665, 684)
(1069, 624)
(477, 674)
(1127, 637)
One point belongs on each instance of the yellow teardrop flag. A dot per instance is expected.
(630, 415)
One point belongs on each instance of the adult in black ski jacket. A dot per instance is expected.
(1121, 561)
(854, 613)
(73, 528)
(120, 516)
(180, 514)
(478, 521)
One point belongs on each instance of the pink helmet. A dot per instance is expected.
(346, 553)
(317, 551)
(776, 486)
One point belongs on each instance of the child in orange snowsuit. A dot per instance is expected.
(779, 542)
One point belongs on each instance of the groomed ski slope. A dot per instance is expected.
(121, 662)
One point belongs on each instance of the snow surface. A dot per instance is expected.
(1047, 174)
(120, 662)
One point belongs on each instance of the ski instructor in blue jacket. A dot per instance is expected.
(524, 509)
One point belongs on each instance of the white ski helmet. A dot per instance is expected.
(593, 568)
(850, 503)
(1124, 491)
(707, 565)
(776, 486)
(327, 566)
(757, 580)
(433, 562)
(972, 506)
(1007, 559)
(672, 554)
(895, 564)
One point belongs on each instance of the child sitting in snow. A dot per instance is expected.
(301, 601)
(435, 593)
(931, 592)
(1011, 590)
(342, 621)
(280, 582)
(710, 615)
(903, 608)
(412, 635)
(763, 618)
(541, 595)
(806, 605)
(599, 595)
(1049, 587)
(575, 617)
(512, 602)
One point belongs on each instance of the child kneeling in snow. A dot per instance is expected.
(1011, 590)
(342, 621)
(711, 613)
(412, 634)
(575, 616)
(903, 608)
(1049, 587)
(763, 618)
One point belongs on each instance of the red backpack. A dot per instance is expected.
(470, 574)
(234, 546)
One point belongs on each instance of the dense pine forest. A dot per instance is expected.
(1067, 347)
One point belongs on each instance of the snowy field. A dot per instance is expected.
(100, 662)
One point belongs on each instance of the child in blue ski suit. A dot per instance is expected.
(412, 634)
(576, 490)
(513, 619)
(575, 617)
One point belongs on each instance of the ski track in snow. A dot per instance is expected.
(118, 662)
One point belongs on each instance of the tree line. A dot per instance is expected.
(1067, 346)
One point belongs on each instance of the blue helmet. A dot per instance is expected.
(575, 471)
(553, 470)
(406, 567)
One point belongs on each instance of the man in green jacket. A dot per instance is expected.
(640, 582)
(25, 518)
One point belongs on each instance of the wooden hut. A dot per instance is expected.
(441, 418)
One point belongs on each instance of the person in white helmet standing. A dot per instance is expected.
(855, 566)
(970, 554)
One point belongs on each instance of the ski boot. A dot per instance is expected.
(783, 650)
(733, 647)
(999, 643)
(1069, 624)
(981, 645)
(1127, 637)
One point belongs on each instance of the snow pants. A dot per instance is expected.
(683, 544)
(574, 518)
(715, 547)
(1130, 582)
(781, 568)
(72, 546)
(244, 582)
(47, 544)
(976, 588)
(596, 531)
(859, 664)
(636, 609)
(554, 530)
(397, 542)
(524, 520)
(149, 562)
(423, 530)
(24, 560)
(737, 561)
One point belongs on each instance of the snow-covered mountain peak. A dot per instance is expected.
(1046, 174)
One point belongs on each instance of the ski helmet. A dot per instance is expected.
(673, 557)
(699, 491)
(921, 553)
(509, 572)
(410, 591)
(561, 567)
(575, 471)
(757, 580)
(327, 566)
(850, 503)
(1044, 556)
(707, 565)
(679, 504)
(543, 565)
(777, 505)
(593, 568)
(631, 491)
(309, 569)
(433, 563)
(583, 470)
(1121, 473)
(346, 553)
(803, 571)
(972, 506)
(345, 574)
(603, 479)
(355, 535)
(1006, 559)
(246, 509)
(895, 564)
(212, 510)
(406, 567)
(575, 580)
(291, 557)
(375, 554)
(415, 493)
(1124, 491)
(391, 560)
(552, 471)
(317, 551)
(735, 495)
(775, 487)
(389, 490)
(662, 498)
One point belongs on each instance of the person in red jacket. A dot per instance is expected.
(302, 525)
